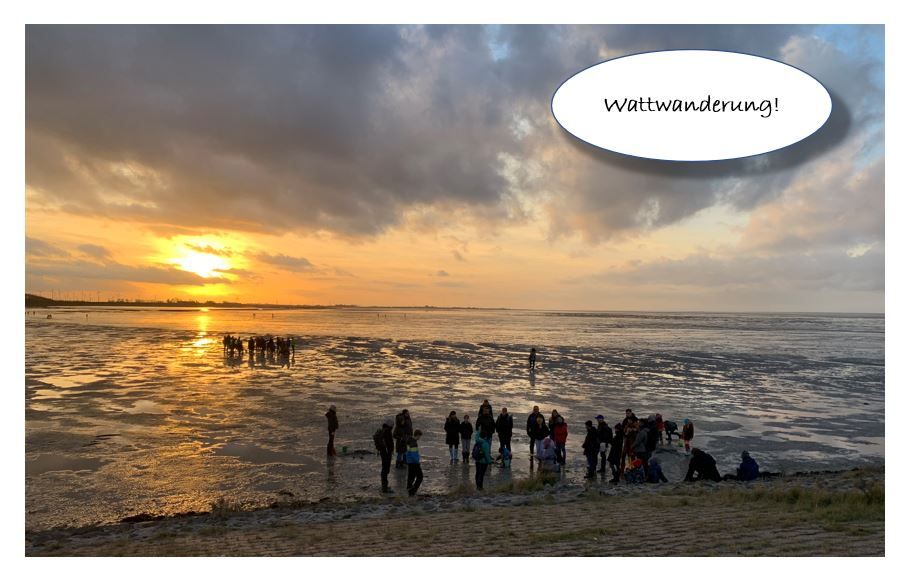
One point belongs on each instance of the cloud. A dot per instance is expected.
(283, 262)
(95, 251)
(441, 273)
(348, 129)
(112, 271)
(40, 248)
(207, 249)
(828, 270)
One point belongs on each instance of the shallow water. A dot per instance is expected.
(137, 410)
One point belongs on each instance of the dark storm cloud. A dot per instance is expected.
(345, 128)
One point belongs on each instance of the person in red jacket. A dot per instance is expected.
(560, 434)
(687, 434)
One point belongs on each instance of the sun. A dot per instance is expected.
(205, 256)
(202, 264)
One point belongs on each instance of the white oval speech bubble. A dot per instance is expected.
(691, 105)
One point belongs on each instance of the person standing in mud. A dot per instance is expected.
(486, 424)
(531, 424)
(560, 435)
(616, 451)
(414, 469)
(539, 432)
(591, 447)
(453, 435)
(484, 458)
(332, 426)
(630, 428)
(466, 431)
(483, 408)
(504, 425)
(532, 359)
(403, 429)
(687, 434)
(386, 449)
(605, 437)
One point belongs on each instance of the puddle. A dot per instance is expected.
(258, 455)
(59, 463)
(67, 381)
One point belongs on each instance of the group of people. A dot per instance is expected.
(628, 447)
(269, 345)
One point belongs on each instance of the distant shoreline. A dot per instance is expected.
(39, 302)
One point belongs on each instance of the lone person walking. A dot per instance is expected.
(332, 426)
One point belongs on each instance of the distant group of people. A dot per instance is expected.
(269, 345)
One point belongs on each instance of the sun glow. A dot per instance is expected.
(205, 256)
(202, 264)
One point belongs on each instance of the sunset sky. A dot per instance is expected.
(384, 165)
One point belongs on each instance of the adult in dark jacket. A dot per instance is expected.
(386, 451)
(504, 425)
(403, 429)
(591, 447)
(453, 435)
(332, 426)
(640, 445)
(538, 433)
(616, 451)
(531, 424)
(466, 430)
(605, 437)
(748, 469)
(486, 425)
(703, 466)
(653, 435)
(485, 406)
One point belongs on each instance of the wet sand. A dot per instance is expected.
(138, 411)
(838, 514)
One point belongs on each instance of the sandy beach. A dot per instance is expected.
(828, 513)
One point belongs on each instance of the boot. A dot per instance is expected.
(466, 456)
(603, 462)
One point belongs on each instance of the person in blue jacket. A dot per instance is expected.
(484, 458)
(414, 470)
(748, 469)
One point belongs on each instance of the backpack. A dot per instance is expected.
(378, 438)
(477, 452)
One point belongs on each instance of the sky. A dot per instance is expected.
(421, 165)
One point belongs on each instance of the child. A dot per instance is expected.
(466, 434)
(635, 472)
(687, 435)
(548, 455)
(670, 428)
(655, 474)
(414, 470)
